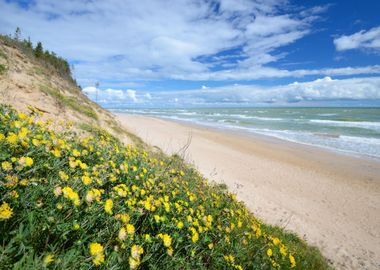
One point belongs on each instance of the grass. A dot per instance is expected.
(70, 102)
(119, 130)
(3, 55)
(3, 69)
(79, 203)
(40, 71)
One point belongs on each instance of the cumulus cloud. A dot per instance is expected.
(361, 40)
(323, 89)
(132, 95)
(110, 95)
(121, 40)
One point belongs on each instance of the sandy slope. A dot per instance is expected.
(22, 83)
(332, 200)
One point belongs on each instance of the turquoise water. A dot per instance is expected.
(351, 130)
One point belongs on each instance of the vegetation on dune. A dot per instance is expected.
(70, 102)
(3, 69)
(78, 203)
(44, 57)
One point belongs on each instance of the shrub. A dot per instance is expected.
(70, 203)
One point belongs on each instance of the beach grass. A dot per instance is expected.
(3, 69)
(72, 202)
(70, 102)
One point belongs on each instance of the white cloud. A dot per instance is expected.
(121, 40)
(361, 40)
(111, 95)
(324, 89)
(132, 95)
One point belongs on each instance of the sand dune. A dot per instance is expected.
(331, 200)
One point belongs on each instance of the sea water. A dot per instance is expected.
(351, 130)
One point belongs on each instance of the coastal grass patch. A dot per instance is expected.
(3, 69)
(3, 54)
(70, 102)
(119, 130)
(72, 202)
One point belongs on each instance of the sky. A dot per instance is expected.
(202, 53)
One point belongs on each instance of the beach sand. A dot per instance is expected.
(329, 199)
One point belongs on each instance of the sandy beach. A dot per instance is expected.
(329, 199)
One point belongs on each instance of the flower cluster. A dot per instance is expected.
(79, 202)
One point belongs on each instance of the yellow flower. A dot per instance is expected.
(133, 263)
(48, 259)
(195, 235)
(269, 252)
(147, 238)
(6, 166)
(25, 161)
(68, 193)
(12, 138)
(276, 241)
(96, 251)
(123, 217)
(86, 180)
(229, 258)
(136, 251)
(283, 250)
(166, 239)
(76, 226)
(14, 194)
(170, 251)
(56, 152)
(2, 137)
(108, 206)
(22, 116)
(57, 191)
(76, 153)
(36, 142)
(83, 166)
(130, 228)
(292, 261)
(157, 218)
(122, 234)
(180, 225)
(23, 133)
(63, 176)
(5, 211)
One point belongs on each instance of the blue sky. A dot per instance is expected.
(211, 53)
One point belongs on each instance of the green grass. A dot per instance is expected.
(150, 212)
(3, 55)
(40, 71)
(70, 102)
(3, 69)
(119, 130)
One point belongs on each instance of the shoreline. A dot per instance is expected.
(329, 199)
(332, 142)
(265, 137)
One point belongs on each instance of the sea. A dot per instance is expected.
(355, 131)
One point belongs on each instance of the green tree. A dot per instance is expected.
(28, 43)
(38, 51)
(17, 33)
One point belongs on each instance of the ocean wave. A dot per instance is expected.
(326, 114)
(188, 113)
(366, 125)
(243, 116)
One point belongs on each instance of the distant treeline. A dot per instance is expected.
(49, 59)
